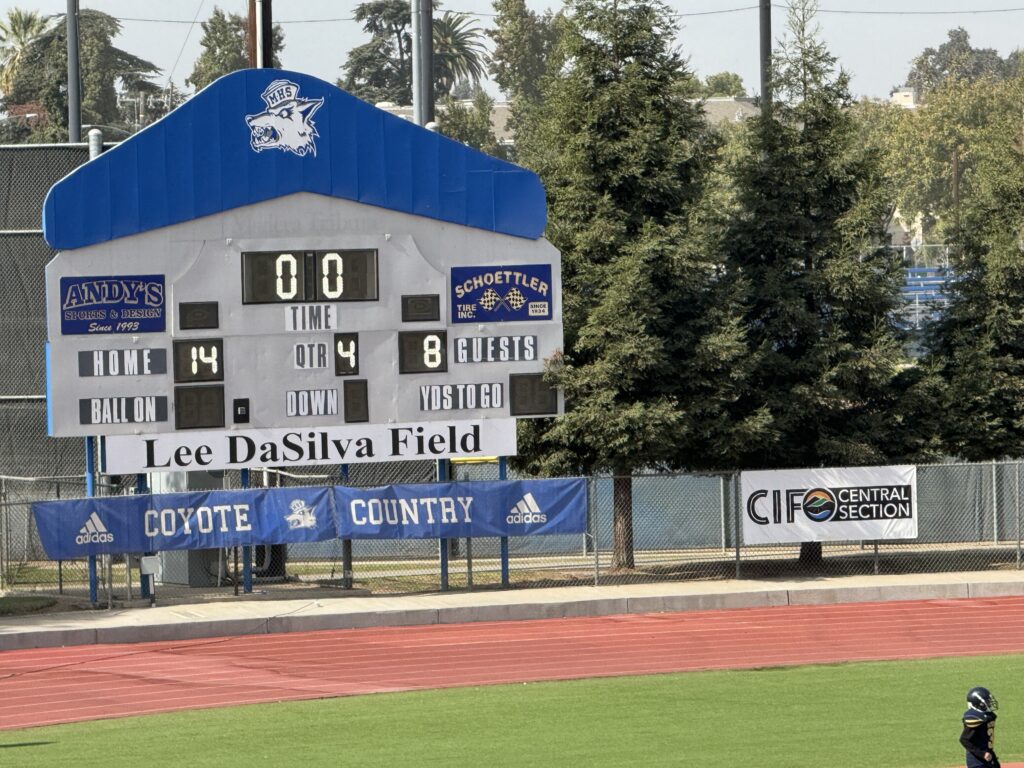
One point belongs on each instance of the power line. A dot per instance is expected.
(723, 11)
(183, 44)
(921, 13)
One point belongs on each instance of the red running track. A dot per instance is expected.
(59, 685)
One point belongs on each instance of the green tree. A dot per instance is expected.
(936, 152)
(816, 287)
(17, 32)
(621, 153)
(956, 59)
(381, 69)
(471, 123)
(41, 77)
(525, 53)
(977, 345)
(225, 44)
(723, 84)
(459, 53)
(523, 43)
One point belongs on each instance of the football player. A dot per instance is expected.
(979, 729)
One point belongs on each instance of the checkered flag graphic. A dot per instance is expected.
(490, 299)
(515, 299)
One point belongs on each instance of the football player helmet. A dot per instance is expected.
(982, 700)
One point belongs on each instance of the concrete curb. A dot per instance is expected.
(201, 622)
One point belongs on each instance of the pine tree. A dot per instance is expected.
(978, 346)
(225, 45)
(622, 155)
(818, 290)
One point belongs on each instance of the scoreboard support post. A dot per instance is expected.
(503, 475)
(247, 550)
(147, 581)
(442, 544)
(346, 545)
(90, 492)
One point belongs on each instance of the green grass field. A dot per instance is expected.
(903, 715)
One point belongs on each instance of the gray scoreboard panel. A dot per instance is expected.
(300, 311)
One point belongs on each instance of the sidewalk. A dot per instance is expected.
(218, 619)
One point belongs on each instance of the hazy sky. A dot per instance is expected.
(875, 44)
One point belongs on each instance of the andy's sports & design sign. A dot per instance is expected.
(844, 504)
(501, 294)
(115, 304)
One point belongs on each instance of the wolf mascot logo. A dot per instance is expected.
(301, 516)
(287, 122)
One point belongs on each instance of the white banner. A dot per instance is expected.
(303, 446)
(836, 504)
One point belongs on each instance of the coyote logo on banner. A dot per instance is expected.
(287, 122)
(301, 516)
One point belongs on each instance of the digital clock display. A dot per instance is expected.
(529, 395)
(270, 277)
(423, 352)
(199, 407)
(346, 354)
(198, 360)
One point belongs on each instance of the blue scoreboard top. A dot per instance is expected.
(260, 134)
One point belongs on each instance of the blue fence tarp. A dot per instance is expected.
(76, 528)
(462, 510)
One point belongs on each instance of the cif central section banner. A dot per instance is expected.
(837, 504)
(194, 520)
(462, 510)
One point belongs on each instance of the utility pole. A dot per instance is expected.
(766, 57)
(74, 80)
(260, 34)
(422, 61)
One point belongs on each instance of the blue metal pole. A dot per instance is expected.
(347, 578)
(503, 475)
(246, 551)
(147, 583)
(90, 492)
(442, 476)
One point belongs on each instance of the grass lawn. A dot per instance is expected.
(14, 605)
(866, 715)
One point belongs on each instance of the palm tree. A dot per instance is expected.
(17, 32)
(459, 52)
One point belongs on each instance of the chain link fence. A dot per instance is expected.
(684, 527)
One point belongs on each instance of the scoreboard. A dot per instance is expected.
(356, 318)
(343, 285)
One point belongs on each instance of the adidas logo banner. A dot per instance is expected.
(462, 510)
(75, 528)
(200, 520)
